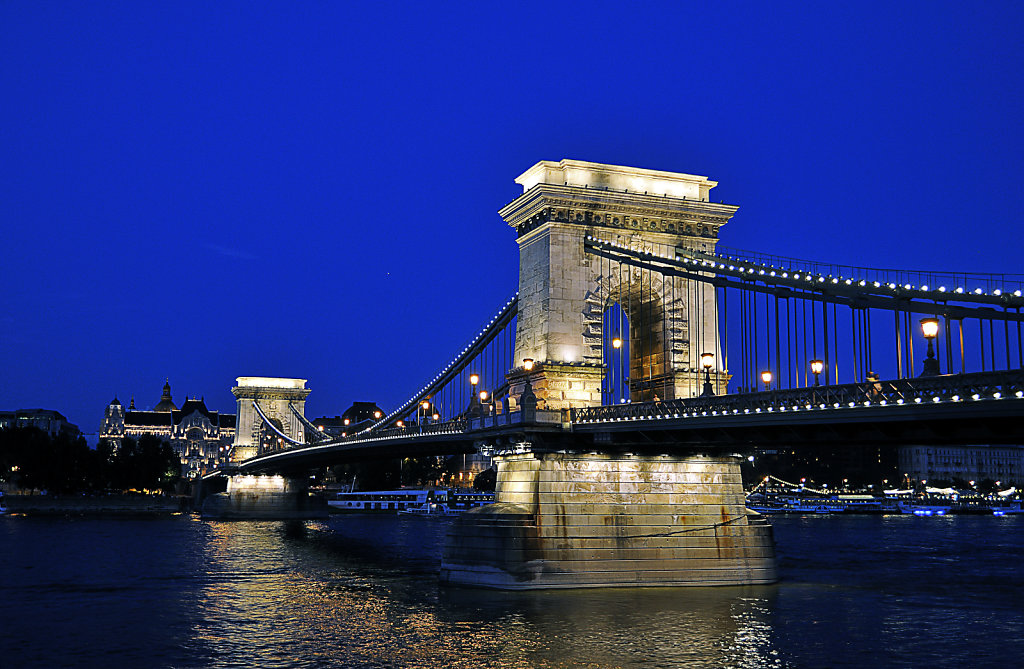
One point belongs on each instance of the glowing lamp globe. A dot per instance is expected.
(930, 327)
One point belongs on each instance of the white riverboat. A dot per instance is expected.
(377, 501)
(405, 499)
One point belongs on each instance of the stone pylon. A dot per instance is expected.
(564, 291)
(274, 395)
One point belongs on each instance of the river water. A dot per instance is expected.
(361, 591)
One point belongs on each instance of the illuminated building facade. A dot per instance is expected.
(202, 438)
(967, 463)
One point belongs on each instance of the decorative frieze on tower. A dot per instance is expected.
(273, 395)
(564, 292)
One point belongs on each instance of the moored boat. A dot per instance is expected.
(429, 510)
(377, 501)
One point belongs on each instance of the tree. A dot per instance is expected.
(147, 464)
(486, 480)
(33, 459)
(423, 471)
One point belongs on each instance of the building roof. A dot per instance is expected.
(170, 418)
(192, 405)
(151, 418)
(360, 411)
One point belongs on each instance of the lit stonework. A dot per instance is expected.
(564, 292)
(273, 395)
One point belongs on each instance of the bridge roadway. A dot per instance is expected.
(975, 408)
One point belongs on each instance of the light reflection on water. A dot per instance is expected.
(312, 596)
(361, 591)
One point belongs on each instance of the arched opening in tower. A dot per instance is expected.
(616, 347)
(633, 345)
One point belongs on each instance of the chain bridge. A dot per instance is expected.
(639, 360)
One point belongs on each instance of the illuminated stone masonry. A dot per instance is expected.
(274, 395)
(564, 292)
(588, 520)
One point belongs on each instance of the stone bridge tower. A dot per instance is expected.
(565, 292)
(274, 395)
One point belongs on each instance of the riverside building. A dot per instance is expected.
(49, 421)
(201, 438)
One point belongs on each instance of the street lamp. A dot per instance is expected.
(528, 401)
(707, 361)
(930, 330)
(766, 378)
(617, 342)
(817, 367)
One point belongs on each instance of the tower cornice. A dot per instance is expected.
(635, 212)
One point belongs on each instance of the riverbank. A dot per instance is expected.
(98, 505)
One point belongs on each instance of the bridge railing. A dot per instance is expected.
(950, 387)
(969, 280)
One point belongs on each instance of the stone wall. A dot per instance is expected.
(564, 520)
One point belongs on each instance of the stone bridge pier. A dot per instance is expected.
(588, 520)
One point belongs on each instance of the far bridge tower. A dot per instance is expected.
(273, 395)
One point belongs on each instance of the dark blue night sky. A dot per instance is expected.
(211, 190)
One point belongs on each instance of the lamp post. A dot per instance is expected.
(817, 367)
(528, 401)
(474, 408)
(766, 379)
(424, 407)
(707, 361)
(616, 346)
(930, 330)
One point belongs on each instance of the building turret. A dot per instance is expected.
(166, 404)
(112, 427)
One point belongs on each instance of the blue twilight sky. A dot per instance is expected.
(200, 191)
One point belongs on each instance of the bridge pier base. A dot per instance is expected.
(251, 497)
(577, 520)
